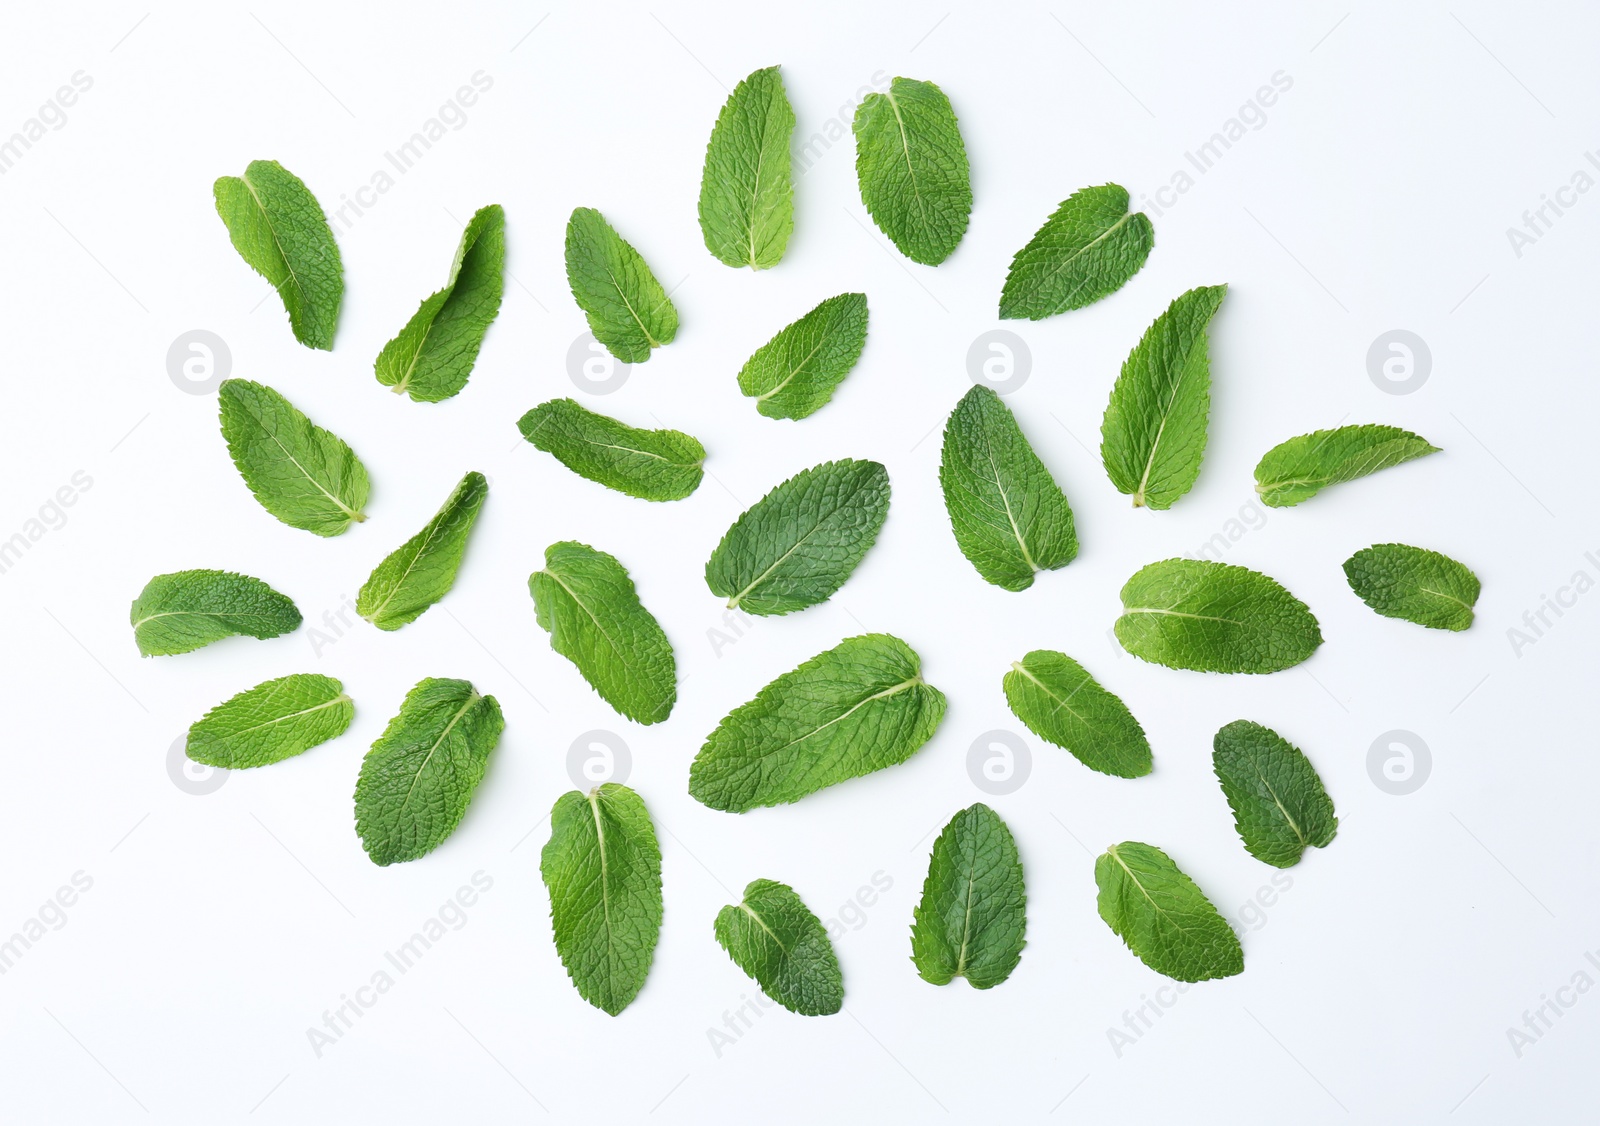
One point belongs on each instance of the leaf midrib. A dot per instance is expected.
(472, 699)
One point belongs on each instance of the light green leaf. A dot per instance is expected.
(419, 777)
(1399, 581)
(1061, 703)
(746, 195)
(1163, 917)
(973, 913)
(912, 168)
(1279, 806)
(271, 722)
(277, 226)
(1088, 249)
(857, 708)
(1010, 518)
(422, 570)
(433, 355)
(1214, 617)
(628, 311)
(649, 464)
(602, 867)
(587, 602)
(798, 544)
(796, 372)
(187, 609)
(774, 937)
(1154, 432)
(301, 473)
(1300, 468)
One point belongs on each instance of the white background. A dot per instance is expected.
(1379, 987)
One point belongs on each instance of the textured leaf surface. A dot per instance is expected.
(302, 474)
(419, 776)
(187, 609)
(271, 722)
(1279, 805)
(795, 373)
(1214, 617)
(1061, 703)
(423, 569)
(746, 193)
(1422, 586)
(1298, 469)
(1154, 432)
(649, 464)
(433, 355)
(854, 709)
(1163, 917)
(1010, 518)
(798, 544)
(973, 913)
(774, 937)
(587, 602)
(912, 168)
(277, 226)
(1088, 249)
(628, 311)
(602, 867)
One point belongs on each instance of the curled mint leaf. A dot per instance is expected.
(973, 914)
(1088, 249)
(1163, 917)
(301, 473)
(184, 610)
(627, 309)
(422, 570)
(1061, 703)
(775, 938)
(1415, 584)
(746, 193)
(271, 722)
(911, 165)
(649, 464)
(796, 372)
(1300, 468)
(1279, 805)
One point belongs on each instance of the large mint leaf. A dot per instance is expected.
(628, 311)
(301, 473)
(1413, 583)
(1214, 617)
(1060, 702)
(1279, 806)
(271, 722)
(1163, 917)
(795, 373)
(973, 913)
(602, 867)
(1300, 468)
(422, 570)
(187, 609)
(649, 464)
(1154, 432)
(798, 544)
(433, 355)
(1088, 249)
(587, 602)
(1010, 518)
(419, 777)
(774, 937)
(277, 226)
(912, 168)
(746, 194)
(857, 708)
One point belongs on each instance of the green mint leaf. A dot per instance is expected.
(277, 226)
(746, 195)
(649, 464)
(271, 722)
(1154, 432)
(1010, 518)
(587, 602)
(1088, 249)
(912, 168)
(973, 913)
(628, 311)
(1293, 471)
(798, 544)
(1279, 806)
(774, 937)
(422, 570)
(1163, 917)
(419, 776)
(1062, 704)
(433, 355)
(187, 609)
(602, 867)
(796, 372)
(301, 473)
(1214, 617)
(854, 709)
(1422, 586)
